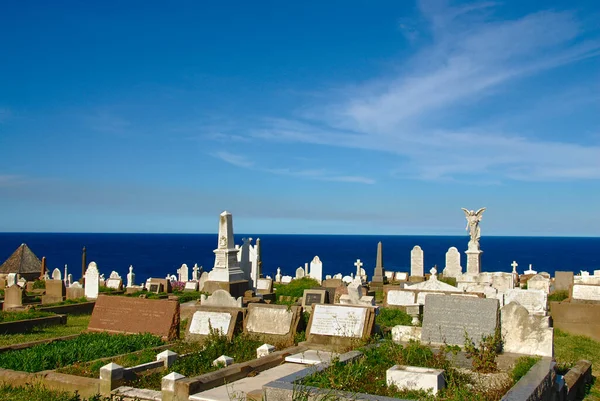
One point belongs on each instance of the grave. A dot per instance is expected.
(300, 272)
(91, 281)
(56, 275)
(379, 278)
(228, 321)
(183, 273)
(332, 283)
(401, 276)
(415, 378)
(190, 286)
(523, 333)
(563, 281)
(416, 262)
(136, 315)
(453, 268)
(355, 295)
(539, 282)
(311, 297)
(394, 297)
(114, 281)
(340, 324)
(13, 297)
(221, 298)
(130, 277)
(272, 323)
(264, 286)
(535, 301)
(582, 292)
(316, 269)
(448, 319)
(75, 291)
(55, 292)
(157, 285)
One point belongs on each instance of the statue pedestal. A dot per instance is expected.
(474, 261)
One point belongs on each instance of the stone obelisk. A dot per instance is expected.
(379, 278)
(83, 264)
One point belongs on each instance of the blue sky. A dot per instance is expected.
(354, 117)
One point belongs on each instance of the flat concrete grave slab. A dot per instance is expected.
(115, 314)
(238, 389)
(226, 320)
(339, 324)
(449, 319)
(272, 322)
(311, 357)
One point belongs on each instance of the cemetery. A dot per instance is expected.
(231, 333)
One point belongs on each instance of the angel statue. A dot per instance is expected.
(473, 219)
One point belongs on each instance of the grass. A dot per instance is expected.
(75, 325)
(25, 315)
(68, 302)
(184, 296)
(558, 296)
(39, 393)
(388, 318)
(569, 348)
(368, 374)
(295, 288)
(86, 347)
(522, 366)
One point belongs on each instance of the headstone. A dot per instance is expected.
(157, 285)
(355, 297)
(398, 297)
(274, 322)
(390, 275)
(264, 286)
(527, 334)
(300, 272)
(226, 267)
(347, 279)
(311, 297)
(278, 275)
(130, 277)
(416, 261)
(183, 273)
(448, 319)
(379, 273)
(75, 291)
(535, 301)
(338, 276)
(56, 275)
(55, 292)
(453, 268)
(203, 279)
(401, 276)
(316, 269)
(221, 298)
(286, 279)
(224, 320)
(114, 281)
(136, 315)
(21, 282)
(11, 279)
(586, 292)
(13, 297)
(563, 281)
(190, 286)
(538, 282)
(337, 324)
(91, 281)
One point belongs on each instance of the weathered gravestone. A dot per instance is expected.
(563, 281)
(221, 298)
(13, 297)
(136, 315)
(396, 297)
(316, 269)
(340, 324)
(401, 276)
(164, 285)
(272, 322)
(190, 286)
(264, 286)
(91, 281)
(416, 261)
(114, 281)
(55, 292)
(539, 282)
(56, 275)
(448, 319)
(75, 291)
(226, 321)
(453, 268)
(523, 333)
(535, 301)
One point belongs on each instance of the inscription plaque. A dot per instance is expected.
(203, 321)
(269, 320)
(447, 319)
(340, 321)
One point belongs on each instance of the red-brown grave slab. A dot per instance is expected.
(116, 314)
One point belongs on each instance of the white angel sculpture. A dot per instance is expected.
(473, 219)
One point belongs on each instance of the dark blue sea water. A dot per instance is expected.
(159, 254)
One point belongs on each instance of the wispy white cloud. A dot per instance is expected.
(472, 55)
(312, 174)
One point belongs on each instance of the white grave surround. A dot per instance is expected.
(586, 292)
(338, 321)
(415, 378)
(202, 321)
(401, 297)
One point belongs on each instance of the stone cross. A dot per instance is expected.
(433, 272)
(195, 272)
(278, 275)
(130, 277)
(358, 265)
(514, 265)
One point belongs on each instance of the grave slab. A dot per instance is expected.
(226, 320)
(311, 357)
(277, 322)
(339, 324)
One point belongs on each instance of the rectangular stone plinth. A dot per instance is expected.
(415, 378)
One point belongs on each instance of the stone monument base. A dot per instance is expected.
(474, 261)
(235, 288)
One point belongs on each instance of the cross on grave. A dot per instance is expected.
(195, 272)
(358, 265)
(514, 265)
(433, 272)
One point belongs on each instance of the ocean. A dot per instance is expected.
(155, 255)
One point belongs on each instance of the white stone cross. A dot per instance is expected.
(514, 265)
(358, 265)
(433, 272)
(195, 272)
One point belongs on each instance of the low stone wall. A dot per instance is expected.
(22, 326)
(577, 379)
(536, 385)
(577, 318)
(86, 387)
(84, 308)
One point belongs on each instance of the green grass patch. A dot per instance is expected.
(295, 288)
(39, 284)
(39, 393)
(558, 296)
(569, 348)
(368, 374)
(86, 347)
(522, 366)
(75, 325)
(388, 318)
(22, 315)
(242, 348)
(67, 302)
(448, 280)
(184, 296)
